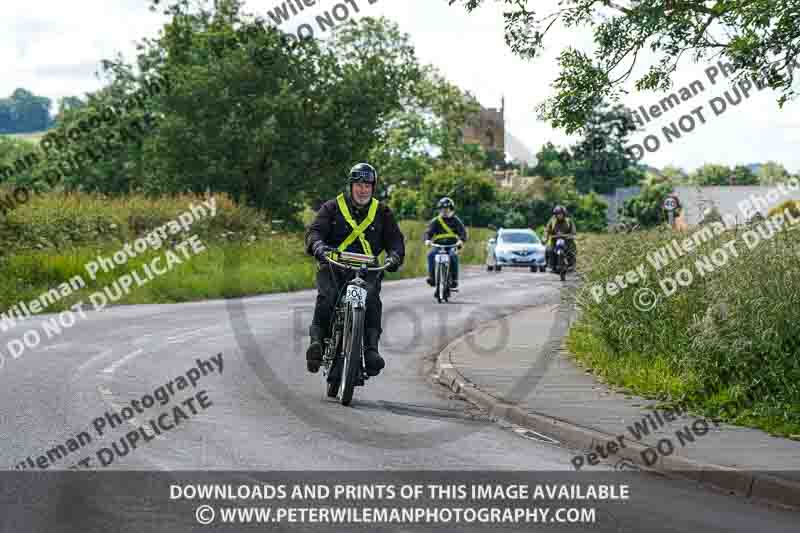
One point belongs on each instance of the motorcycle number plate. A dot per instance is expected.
(357, 296)
(442, 258)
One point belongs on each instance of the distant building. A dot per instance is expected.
(487, 128)
(697, 200)
(510, 179)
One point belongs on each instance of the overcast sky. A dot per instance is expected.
(54, 48)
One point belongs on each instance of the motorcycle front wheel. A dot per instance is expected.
(441, 283)
(351, 353)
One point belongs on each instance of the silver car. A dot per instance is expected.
(515, 248)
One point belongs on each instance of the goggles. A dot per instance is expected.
(363, 176)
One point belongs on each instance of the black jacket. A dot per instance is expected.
(434, 228)
(330, 227)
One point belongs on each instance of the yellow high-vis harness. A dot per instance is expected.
(358, 229)
(448, 232)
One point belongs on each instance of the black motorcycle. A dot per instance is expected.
(562, 257)
(343, 353)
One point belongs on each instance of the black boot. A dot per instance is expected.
(372, 359)
(314, 352)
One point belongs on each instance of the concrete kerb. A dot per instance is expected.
(759, 487)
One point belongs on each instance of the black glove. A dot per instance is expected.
(320, 249)
(393, 262)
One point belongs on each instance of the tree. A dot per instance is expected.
(405, 203)
(647, 207)
(551, 161)
(474, 194)
(742, 175)
(711, 175)
(771, 173)
(599, 161)
(24, 112)
(272, 121)
(425, 133)
(674, 174)
(67, 103)
(496, 160)
(12, 150)
(759, 38)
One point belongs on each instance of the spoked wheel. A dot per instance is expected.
(440, 290)
(333, 385)
(441, 284)
(351, 353)
(333, 389)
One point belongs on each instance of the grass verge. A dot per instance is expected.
(731, 335)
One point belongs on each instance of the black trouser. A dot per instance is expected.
(328, 291)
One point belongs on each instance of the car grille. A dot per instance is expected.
(522, 253)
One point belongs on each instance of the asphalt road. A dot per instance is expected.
(265, 412)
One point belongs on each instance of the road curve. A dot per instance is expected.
(263, 411)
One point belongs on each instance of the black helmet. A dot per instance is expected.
(446, 203)
(559, 209)
(363, 173)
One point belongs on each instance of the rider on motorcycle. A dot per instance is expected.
(445, 229)
(354, 222)
(560, 224)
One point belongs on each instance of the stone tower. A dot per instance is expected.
(487, 128)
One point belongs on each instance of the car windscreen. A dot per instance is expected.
(518, 238)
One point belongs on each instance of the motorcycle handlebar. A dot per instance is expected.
(353, 267)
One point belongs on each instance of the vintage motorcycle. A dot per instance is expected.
(442, 276)
(343, 352)
(563, 259)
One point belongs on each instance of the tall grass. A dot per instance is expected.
(729, 335)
